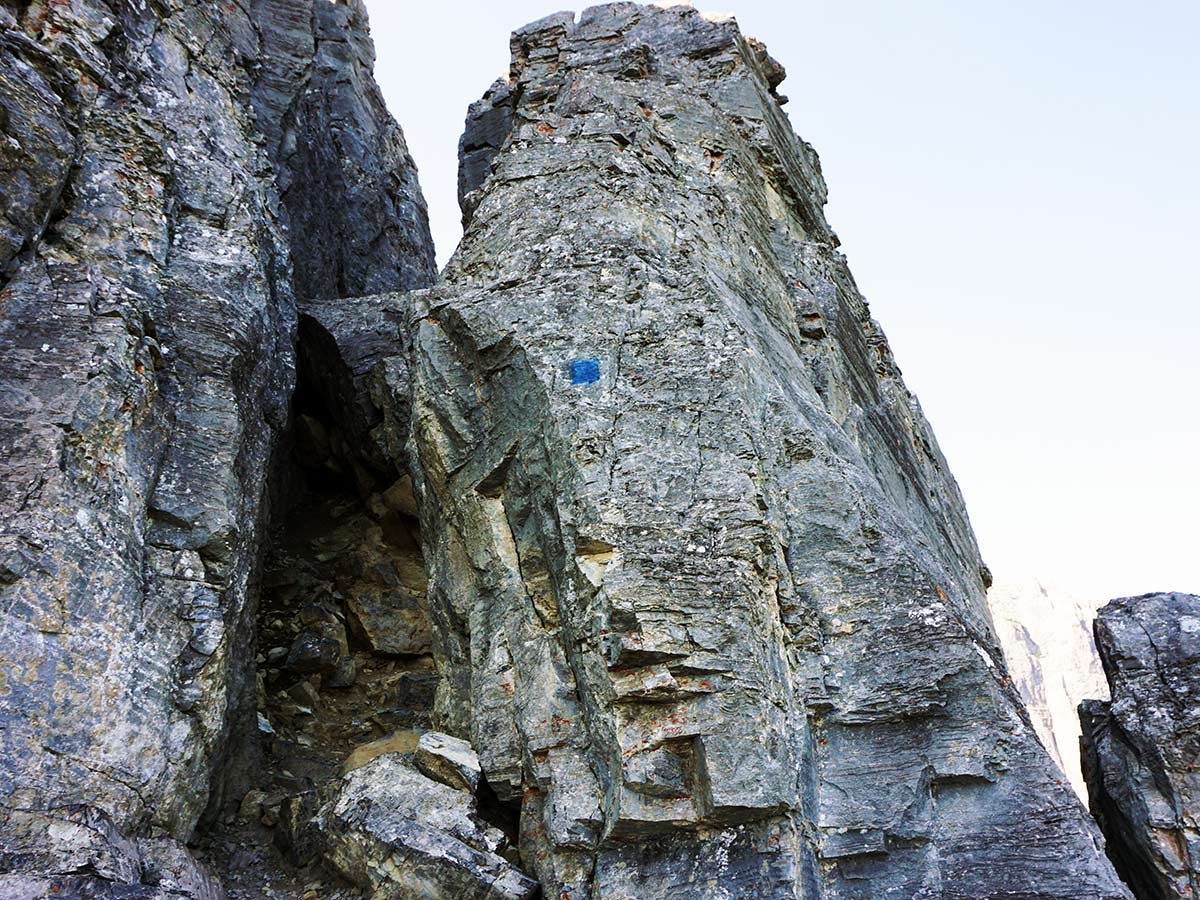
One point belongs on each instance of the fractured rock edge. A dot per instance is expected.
(1140, 750)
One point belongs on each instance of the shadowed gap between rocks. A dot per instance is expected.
(342, 639)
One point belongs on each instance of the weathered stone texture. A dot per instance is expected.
(1141, 751)
(356, 216)
(399, 835)
(705, 597)
(147, 331)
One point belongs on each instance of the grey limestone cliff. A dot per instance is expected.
(1046, 634)
(705, 597)
(1141, 751)
(154, 235)
(633, 504)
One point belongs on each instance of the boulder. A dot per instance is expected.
(1141, 750)
(398, 835)
(448, 760)
(397, 742)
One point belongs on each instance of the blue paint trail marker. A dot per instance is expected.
(584, 371)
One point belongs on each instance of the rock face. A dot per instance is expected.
(705, 597)
(1141, 752)
(706, 612)
(150, 257)
(357, 220)
(1046, 635)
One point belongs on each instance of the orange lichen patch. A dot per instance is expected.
(545, 128)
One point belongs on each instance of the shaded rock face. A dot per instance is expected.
(357, 219)
(150, 257)
(1046, 634)
(705, 597)
(1141, 751)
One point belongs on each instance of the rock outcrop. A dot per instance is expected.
(1046, 634)
(705, 596)
(1141, 751)
(166, 173)
(706, 612)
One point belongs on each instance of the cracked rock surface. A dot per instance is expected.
(633, 506)
(704, 593)
(1141, 751)
(157, 223)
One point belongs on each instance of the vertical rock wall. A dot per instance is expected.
(147, 331)
(705, 596)
(357, 220)
(1141, 751)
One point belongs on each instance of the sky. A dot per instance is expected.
(1017, 188)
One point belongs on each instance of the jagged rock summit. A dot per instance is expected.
(639, 471)
(706, 599)
(1141, 751)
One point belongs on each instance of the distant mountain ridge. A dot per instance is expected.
(1046, 634)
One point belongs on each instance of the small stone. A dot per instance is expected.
(345, 675)
(252, 804)
(400, 497)
(391, 623)
(449, 760)
(313, 652)
(276, 656)
(304, 694)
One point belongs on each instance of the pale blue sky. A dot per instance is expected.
(1016, 187)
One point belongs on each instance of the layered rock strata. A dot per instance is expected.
(701, 593)
(705, 597)
(1141, 751)
(150, 257)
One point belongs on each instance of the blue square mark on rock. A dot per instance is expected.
(584, 371)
